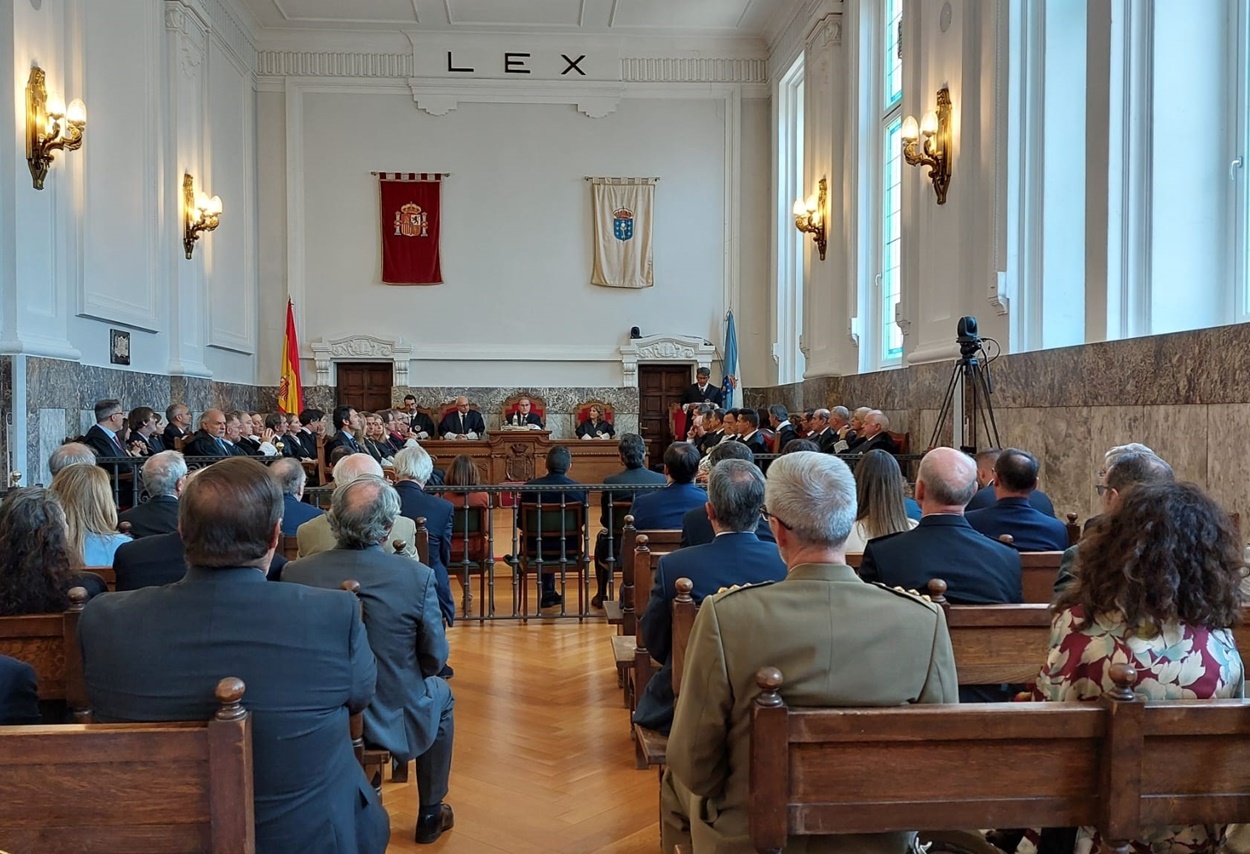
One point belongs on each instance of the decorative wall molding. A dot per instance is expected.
(663, 348)
(827, 31)
(693, 70)
(233, 34)
(361, 348)
(312, 63)
(438, 96)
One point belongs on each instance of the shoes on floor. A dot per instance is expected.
(596, 602)
(430, 827)
(446, 672)
(551, 599)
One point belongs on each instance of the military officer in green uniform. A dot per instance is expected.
(837, 640)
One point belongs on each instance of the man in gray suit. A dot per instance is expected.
(411, 713)
(315, 535)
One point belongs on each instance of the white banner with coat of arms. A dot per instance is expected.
(622, 209)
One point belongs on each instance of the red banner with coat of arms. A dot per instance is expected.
(411, 220)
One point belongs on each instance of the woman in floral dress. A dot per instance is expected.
(1157, 589)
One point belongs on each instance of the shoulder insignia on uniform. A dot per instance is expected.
(913, 595)
(725, 591)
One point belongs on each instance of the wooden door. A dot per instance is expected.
(365, 385)
(659, 386)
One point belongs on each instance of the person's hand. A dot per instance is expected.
(423, 435)
(267, 435)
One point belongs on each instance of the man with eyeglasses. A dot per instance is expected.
(836, 640)
(462, 422)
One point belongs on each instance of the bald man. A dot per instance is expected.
(462, 422)
(316, 536)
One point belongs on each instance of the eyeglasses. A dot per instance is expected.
(770, 517)
(1102, 488)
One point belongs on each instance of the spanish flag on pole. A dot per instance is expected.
(290, 390)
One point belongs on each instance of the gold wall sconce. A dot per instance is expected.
(202, 213)
(50, 126)
(809, 216)
(936, 149)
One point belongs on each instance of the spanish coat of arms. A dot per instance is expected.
(411, 221)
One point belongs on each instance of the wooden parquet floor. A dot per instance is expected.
(543, 760)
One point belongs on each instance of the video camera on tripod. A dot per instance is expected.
(971, 377)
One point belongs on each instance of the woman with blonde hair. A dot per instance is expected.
(879, 491)
(90, 514)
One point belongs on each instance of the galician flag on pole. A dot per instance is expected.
(622, 210)
(729, 364)
(290, 389)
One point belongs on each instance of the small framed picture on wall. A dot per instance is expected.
(119, 347)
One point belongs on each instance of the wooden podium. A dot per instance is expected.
(512, 456)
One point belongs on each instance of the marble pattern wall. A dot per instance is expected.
(1186, 395)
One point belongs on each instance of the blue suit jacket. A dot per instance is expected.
(414, 502)
(976, 569)
(729, 559)
(664, 509)
(161, 559)
(19, 698)
(405, 626)
(157, 655)
(696, 529)
(1031, 531)
(296, 513)
(985, 497)
(640, 475)
(157, 515)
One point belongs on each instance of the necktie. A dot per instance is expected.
(222, 445)
(462, 430)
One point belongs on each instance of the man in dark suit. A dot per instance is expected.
(696, 526)
(418, 421)
(1015, 476)
(821, 432)
(156, 655)
(976, 569)
(161, 559)
(985, 496)
(104, 436)
(663, 509)
(524, 417)
(779, 418)
(178, 425)
(701, 391)
(559, 461)
(347, 423)
(209, 440)
(749, 432)
(19, 697)
(291, 479)
(633, 451)
(411, 713)
(735, 491)
(164, 477)
(413, 468)
(312, 426)
(713, 431)
(462, 422)
(144, 437)
(875, 435)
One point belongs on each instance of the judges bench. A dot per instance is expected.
(513, 456)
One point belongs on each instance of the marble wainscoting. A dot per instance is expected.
(562, 403)
(1186, 395)
(9, 418)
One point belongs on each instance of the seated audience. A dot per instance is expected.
(421, 424)
(292, 479)
(749, 432)
(976, 569)
(840, 422)
(696, 527)
(234, 438)
(19, 695)
(36, 562)
(209, 440)
(1158, 589)
(279, 425)
(875, 435)
(986, 496)
(312, 425)
(855, 432)
(663, 509)
(413, 467)
(1126, 471)
(144, 438)
(178, 425)
(633, 453)
(348, 426)
(779, 419)
(595, 427)
(302, 653)
(880, 508)
(464, 473)
(373, 440)
(821, 431)
(105, 436)
(735, 556)
(796, 445)
(552, 549)
(411, 713)
(902, 655)
(315, 535)
(90, 515)
(1015, 479)
(731, 426)
(164, 477)
(524, 416)
(70, 454)
(253, 436)
(713, 430)
(462, 422)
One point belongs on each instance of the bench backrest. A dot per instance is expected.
(645, 562)
(1119, 764)
(49, 644)
(1039, 570)
(423, 541)
(182, 786)
(684, 611)
(632, 600)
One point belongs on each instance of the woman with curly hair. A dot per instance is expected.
(35, 563)
(90, 514)
(879, 492)
(1158, 589)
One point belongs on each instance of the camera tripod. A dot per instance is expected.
(971, 379)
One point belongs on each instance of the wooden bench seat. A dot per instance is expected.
(137, 788)
(49, 644)
(1119, 764)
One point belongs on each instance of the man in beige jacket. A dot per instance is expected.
(837, 641)
(315, 535)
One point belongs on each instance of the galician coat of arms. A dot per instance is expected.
(623, 223)
(411, 221)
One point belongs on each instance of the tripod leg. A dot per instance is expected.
(991, 426)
